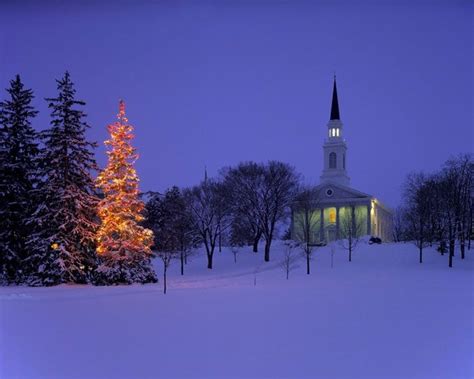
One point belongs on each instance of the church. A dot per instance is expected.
(338, 210)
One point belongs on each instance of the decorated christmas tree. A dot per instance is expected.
(122, 244)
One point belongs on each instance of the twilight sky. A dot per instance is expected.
(215, 83)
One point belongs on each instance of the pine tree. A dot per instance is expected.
(18, 159)
(123, 244)
(63, 244)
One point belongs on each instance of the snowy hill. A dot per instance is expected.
(383, 315)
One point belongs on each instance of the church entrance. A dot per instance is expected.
(331, 234)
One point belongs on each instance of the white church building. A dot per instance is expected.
(337, 208)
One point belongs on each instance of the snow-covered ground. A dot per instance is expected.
(383, 315)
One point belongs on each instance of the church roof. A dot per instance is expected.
(344, 190)
(335, 103)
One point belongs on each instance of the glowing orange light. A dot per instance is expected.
(120, 209)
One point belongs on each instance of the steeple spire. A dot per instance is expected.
(335, 147)
(335, 103)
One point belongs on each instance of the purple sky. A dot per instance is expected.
(215, 83)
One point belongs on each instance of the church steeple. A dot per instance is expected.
(335, 103)
(335, 148)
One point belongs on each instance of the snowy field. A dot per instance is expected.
(381, 316)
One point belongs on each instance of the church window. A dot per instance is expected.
(329, 216)
(332, 215)
(337, 132)
(332, 160)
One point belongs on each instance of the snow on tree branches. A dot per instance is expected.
(62, 245)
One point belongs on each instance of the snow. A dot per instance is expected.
(383, 315)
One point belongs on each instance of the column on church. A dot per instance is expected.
(337, 223)
(369, 220)
(321, 226)
(353, 220)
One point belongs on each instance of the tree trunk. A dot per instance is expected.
(209, 261)
(307, 264)
(463, 247)
(210, 252)
(350, 246)
(164, 279)
(220, 239)
(287, 273)
(181, 258)
(267, 250)
(256, 240)
(235, 258)
(451, 247)
(421, 252)
(451, 252)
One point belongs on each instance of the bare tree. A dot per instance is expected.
(456, 184)
(417, 192)
(243, 183)
(165, 216)
(263, 193)
(438, 208)
(350, 229)
(186, 236)
(306, 222)
(463, 170)
(290, 258)
(166, 257)
(209, 214)
(276, 196)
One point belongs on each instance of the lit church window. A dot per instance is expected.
(337, 132)
(332, 215)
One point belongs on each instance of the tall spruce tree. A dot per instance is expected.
(63, 244)
(123, 244)
(18, 175)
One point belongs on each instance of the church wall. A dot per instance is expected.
(382, 222)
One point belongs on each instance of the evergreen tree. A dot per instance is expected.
(63, 244)
(123, 244)
(18, 158)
